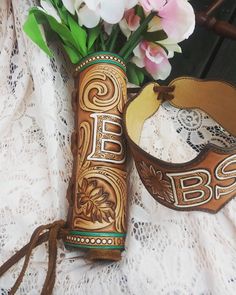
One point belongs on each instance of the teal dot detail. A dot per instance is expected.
(101, 57)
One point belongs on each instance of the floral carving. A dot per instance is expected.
(100, 202)
(94, 203)
(153, 179)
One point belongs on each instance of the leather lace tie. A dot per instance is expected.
(45, 233)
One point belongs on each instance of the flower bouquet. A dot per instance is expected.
(144, 33)
(110, 42)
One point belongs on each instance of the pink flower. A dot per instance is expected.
(152, 5)
(176, 17)
(130, 22)
(153, 58)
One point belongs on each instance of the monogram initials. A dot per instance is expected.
(198, 187)
(226, 170)
(191, 188)
(108, 143)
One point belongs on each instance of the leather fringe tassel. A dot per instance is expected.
(45, 233)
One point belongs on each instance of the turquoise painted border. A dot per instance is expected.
(94, 247)
(96, 234)
(101, 60)
(98, 53)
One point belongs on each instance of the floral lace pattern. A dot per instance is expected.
(167, 252)
(197, 128)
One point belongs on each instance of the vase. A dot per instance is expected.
(97, 193)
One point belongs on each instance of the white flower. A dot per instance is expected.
(49, 9)
(69, 5)
(88, 17)
(91, 11)
(111, 11)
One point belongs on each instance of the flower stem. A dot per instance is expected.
(113, 38)
(131, 48)
(132, 42)
(102, 42)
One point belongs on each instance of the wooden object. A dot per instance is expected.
(206, 54)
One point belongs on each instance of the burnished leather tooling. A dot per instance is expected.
(97, 218)
(205, 183)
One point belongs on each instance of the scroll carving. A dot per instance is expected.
(99, 210)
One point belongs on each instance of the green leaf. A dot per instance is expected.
(73, 46)
(73, 54)
(140, 75)
(63, 13)
(55, 2)
(79, 35)
(63, 32)
(155, 36)
(93, 35)
(134, 74)
(31, 28)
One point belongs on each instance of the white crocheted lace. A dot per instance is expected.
(167, 252)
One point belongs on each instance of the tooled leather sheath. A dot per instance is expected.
(97, 218)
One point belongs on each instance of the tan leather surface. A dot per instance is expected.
(98, 198)
(209, 181)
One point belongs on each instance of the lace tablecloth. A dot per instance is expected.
(167, 252)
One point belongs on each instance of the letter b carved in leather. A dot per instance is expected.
(207, 182)
(207, 188)
(98, 218)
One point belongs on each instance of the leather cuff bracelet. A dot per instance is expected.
(205, 183)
